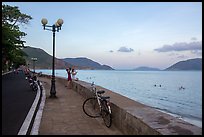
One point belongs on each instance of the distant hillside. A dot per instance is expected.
(191, 64)
(85, 62)
(44, 61)
(146, 69)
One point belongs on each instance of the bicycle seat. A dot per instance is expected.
(100, 91)
(105, 97)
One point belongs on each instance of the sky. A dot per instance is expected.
(123, 35)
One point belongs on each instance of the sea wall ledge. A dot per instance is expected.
(134, 118)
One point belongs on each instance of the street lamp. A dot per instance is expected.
(55, 27)
(34, 59)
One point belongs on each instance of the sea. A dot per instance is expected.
(178, 93)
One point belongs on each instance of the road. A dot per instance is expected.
(17, 99)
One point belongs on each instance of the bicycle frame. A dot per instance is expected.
(98, 97)
(102, 104)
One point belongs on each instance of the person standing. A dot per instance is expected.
(69, 79)
(73, 73)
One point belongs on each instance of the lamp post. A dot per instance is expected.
(55, 27)
(34, 59)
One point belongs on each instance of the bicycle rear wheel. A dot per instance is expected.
(91, 107)
(106, 115)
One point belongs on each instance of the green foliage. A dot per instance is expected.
(44, 60)
(11, 36)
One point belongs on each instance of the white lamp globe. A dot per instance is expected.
(44, 21)
(56, 24)
(60, 21)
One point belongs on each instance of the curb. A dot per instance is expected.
(36, 125)
(32, 120)
(6, 73)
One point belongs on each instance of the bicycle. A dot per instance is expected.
(98, 106)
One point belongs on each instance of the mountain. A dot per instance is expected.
(191, 64)
(143, 68)
(44, 61)
(87, 63)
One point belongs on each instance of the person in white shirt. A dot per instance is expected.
(74, 74)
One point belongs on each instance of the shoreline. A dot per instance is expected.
(129, 115)
(192, 121)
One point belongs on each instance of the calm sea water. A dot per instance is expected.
(140, 86)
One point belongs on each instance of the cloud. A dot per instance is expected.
(125, 49)
(193, 38)
(182, 46)
(111, 51)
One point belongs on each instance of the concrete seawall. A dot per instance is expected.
(134, 118)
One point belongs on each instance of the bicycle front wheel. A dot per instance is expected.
(106, 115)
(91, 107)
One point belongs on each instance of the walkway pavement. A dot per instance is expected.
(64, 115)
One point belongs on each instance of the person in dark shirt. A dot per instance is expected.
(69, 79)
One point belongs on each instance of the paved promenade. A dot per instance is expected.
(64, 115)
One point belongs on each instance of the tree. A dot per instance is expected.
(12, 43)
